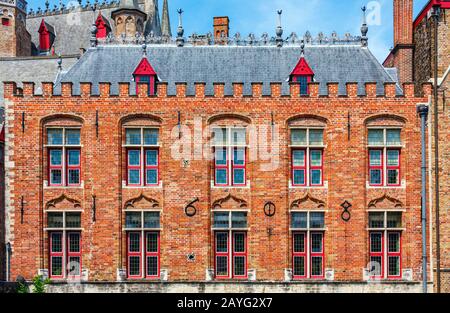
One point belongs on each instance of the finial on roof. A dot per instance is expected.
(364, 29)
(144, 50)
(47, 5)
(180, 30)
(302, 46)
(93, 39)
(59, 63)
(279, 30)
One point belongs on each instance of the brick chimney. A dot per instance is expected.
(402, 54)
(221, 28)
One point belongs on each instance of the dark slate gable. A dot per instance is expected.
(228, 64)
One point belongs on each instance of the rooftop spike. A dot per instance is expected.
(180, 31)
(279, 30)
(364, 29)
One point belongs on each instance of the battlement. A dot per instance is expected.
(66, 90)
(73, 7)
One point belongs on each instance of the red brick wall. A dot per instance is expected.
(345, 168)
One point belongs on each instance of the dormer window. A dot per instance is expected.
(103, 27)
(46, 36)
(302, 74)
(145, 73)
(5, 21)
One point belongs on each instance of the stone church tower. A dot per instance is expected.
(15, 39)
(129, 18)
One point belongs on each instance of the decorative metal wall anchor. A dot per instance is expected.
(191, 257)
(269, 209)
(22, 209)
(94, 208)
(346, 215)
(190, 209)
(96, 123)
(23, 122)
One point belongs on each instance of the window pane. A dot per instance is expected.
(299, 177)
(221, 220)
(151, 157)
(57, 266)
(394, 242)
(393, 157)
(134, 157)
(73, 220)
(133, 220)
(55, 136)
(299, 243)
(73, 268)
(133, 136)
(299, 266)
(221, 176)
(298, 157)
(221, 156)
(134, 177)
(298, 137)
(239, 219)
(316, 177)
(220, 136)
(375, 177)
(239, 176)
(55, 157)
(316, 266)
(152, 220)
(152, 242)
(152, 266)
(151, 136)
(239, 265)
(376, 137)
(55, 177)
(222, 266)
(316, 136)
(239, 156)
(73, 177)
(73, 137)
(221, 242)
(394, 219)
(238, 136)
(394, 265)
(316, 243)
(393, 137)
(376, 220)
(317, 220)
(299, 220)
(56, 242)
(316, 158)
(375, 157)
(134, 265)
(151, 177)
(74, 243)
(73, 157)
(134, 242)
(303, 80)
(393, 177)
(239, 243)
(376, 245)
(55, 220)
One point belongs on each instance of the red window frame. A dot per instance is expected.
(134, 167)
(235, 254)
(296, 254)
(316, 167)
(320, 254)
(76, 254)
(221, 166)
(394, 254)
(56, 254)
(56, 167)
(237, 166)
(134, 254)
(377, 254)
(73, 167)
(6, 21)
(151, 83)
(377, 167)
(299, 168)
(156, 254)
(151, 167)
(222, 254)
(396, 167)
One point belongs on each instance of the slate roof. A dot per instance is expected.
(228, 64)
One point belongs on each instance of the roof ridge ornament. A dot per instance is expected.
(144, 50)
(180, 30)
(364, 29)
(302, 46)
(279, 30)
(60, 63)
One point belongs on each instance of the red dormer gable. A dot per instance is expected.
(302, 69)
(144, 68)
(103, 27)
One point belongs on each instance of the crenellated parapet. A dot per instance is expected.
(125, 90)
(72, 7)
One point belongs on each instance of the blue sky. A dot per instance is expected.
(259, 16)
